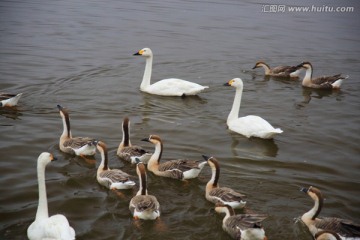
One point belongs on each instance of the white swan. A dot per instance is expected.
(165, 87)
(249, 126)
(45, 227)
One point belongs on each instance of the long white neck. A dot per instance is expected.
(42, 211)
(313, 212)
(153, 163)
(307, 78)
(234, 113)
(66, 129)
(147, 73)
(213, 182)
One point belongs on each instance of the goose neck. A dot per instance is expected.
(126, 135)
(66, 127)
(314, 212)
(147, 73)
(42, 211)
(155, 158)
(266, 68)
(142, 183)
(104, 161)
(308, 76)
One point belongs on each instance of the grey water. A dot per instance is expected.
(80, 54)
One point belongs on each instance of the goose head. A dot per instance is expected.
(260, 64)
(313, 192)
(46, 158)
(221, 208)
(235, 82)
(145, 52)
(63, 112)
(154, 139)
(213, 163)
(306, 65)
(101, 146)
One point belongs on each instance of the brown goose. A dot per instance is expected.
(279, 71)
(345, 228)
(9, 100)
(324, 82)
(242, 226)
(144, 206)
(81, 146)
(327, 235)
(223, 195)
(179, 169)
(111, 178)
(126, 150)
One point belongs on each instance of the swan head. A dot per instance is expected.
(154, 139)
(46, 158)
(313, 192)
(235, 82)
(306, 65)
(145, 52)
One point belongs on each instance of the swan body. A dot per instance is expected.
(279, 71)
(179, 169)
(80, 146)
(221, 195)
(111, 178)
(324, 82)
(142, 205)
(249, 126)
(242, 226)
(128, 152)
(9, 100)
(45, 227)
(346, 229)
(165, 87)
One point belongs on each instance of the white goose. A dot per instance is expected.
(346, 229)
(165, 87)
(279, 71)
(179, 169)
(45, 227)
(324, 82)
(9, 100)
(81, 146)
(142, 205)
(223, 195)
(111, 178)
(249, 126)
(242, 226)
(128, 152)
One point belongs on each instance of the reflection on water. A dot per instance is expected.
(79, 54)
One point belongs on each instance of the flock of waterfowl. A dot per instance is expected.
(146, 207)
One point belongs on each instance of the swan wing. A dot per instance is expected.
(175, 87)
(55, 227)
(253, 126)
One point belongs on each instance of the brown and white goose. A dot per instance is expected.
(279, 71)
(9, 100)
(223, 195)
(242, 226)
(111, 178)
(179, 169)
(346, 229)
(327, 235)
(324, 82)
(126, 150)
(142, 205)
(80, 146)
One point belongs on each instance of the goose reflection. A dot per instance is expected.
(10, 112)
(309, 93)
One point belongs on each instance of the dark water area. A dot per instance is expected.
(79, 54)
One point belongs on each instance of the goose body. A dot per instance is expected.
(179, 169)
(142, 205)
(251, 125)
(346, 229)
(111, 178)
(165, 87)
(128, 152)
(45, 227)
(80, 146)
(9, 100)
(279, 71)
(324, 82)
(242, 226)
(221, 195)
(327, 235)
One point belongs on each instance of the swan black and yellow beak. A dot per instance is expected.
(140, 52)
